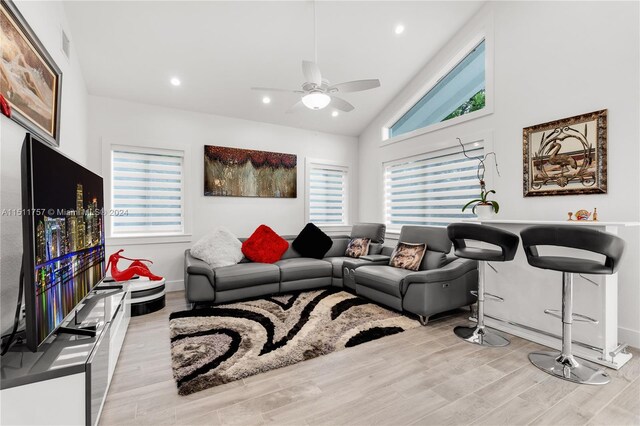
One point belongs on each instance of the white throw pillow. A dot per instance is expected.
(218, 248)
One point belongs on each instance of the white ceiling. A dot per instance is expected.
(130, 50)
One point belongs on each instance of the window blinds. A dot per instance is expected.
(147, 192)
(431, 189)
(327, 194)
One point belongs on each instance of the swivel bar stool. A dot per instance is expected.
(508, 245)
(563, 364)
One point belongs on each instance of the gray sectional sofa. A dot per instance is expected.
(441, 284)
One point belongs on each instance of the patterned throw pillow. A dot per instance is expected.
(358, 247)
(408, 256)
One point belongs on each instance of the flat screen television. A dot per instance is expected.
(63, 236)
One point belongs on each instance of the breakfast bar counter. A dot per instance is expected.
(528, 291)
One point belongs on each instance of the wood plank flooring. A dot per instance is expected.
(423, 376)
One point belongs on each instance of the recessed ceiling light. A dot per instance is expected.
(476, 144)
(399, 29)
(335, 113)
(175, 81)
(266, 100)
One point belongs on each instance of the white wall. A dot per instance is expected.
(47, 19)
(552, 60)
(125, 122)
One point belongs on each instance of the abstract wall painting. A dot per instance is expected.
(567, 156)
(234, 172)
(29, 78)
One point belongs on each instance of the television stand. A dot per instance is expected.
(71, 372)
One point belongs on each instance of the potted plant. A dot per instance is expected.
(483, 207)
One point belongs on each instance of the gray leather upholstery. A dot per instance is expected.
(339, 246)
(385, 299)
(442, 283)
(302, 268)
(374, 231)
(293, 272)
(432, 292)
(337, 264)
(305, 284)
(375, 248)
(506, 241)
(384, 278)
(436, 238)
(450, 272)
(245, 275)
(608, 245)
(244, 293)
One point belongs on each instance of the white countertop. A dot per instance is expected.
(553, 222)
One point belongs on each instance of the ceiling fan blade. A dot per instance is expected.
(341, 104)
(356, 86)
(270, 89)
(297, 107)
(312, 73)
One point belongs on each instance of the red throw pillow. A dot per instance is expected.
(264, 245)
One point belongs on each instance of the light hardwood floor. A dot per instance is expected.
(423, 376)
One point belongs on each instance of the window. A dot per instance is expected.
(147, 191)
(431, 189)
(461, 91)
(326, 194)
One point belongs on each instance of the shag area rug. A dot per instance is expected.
(216, 345)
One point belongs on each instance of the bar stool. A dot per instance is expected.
(508, 244)
(563, 364)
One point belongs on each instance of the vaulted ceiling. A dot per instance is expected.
(131, 50)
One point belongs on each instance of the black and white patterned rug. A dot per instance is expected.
(212, 346)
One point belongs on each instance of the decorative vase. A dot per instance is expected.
(484, 211)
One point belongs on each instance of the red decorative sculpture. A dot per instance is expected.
(5, 109)
(136, 268)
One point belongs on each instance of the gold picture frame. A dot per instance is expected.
(567, 156)
(30, 80)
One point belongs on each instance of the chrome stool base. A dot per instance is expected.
(568, 368)
(480, 336)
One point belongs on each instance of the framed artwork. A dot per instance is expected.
(30, 80)
(567, 156)
(233, 172)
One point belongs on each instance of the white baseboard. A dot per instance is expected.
(626, 335)
(176, 285)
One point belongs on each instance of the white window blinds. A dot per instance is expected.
(431, 189)
(327, 194)
(147, 192)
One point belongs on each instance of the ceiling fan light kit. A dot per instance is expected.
(316, 92)
(316, 100)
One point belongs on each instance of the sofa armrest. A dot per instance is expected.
(449, 272)
(376, 258)
(195, 266)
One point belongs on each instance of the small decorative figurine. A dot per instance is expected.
(595, 214)
(136, 268)
(570, 216)
(582, 215)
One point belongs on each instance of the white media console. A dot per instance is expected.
(66, 381)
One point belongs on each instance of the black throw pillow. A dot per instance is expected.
(312, 242)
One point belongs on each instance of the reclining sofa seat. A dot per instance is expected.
(442, 282)
(247, 279)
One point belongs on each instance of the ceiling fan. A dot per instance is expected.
(317, 93)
